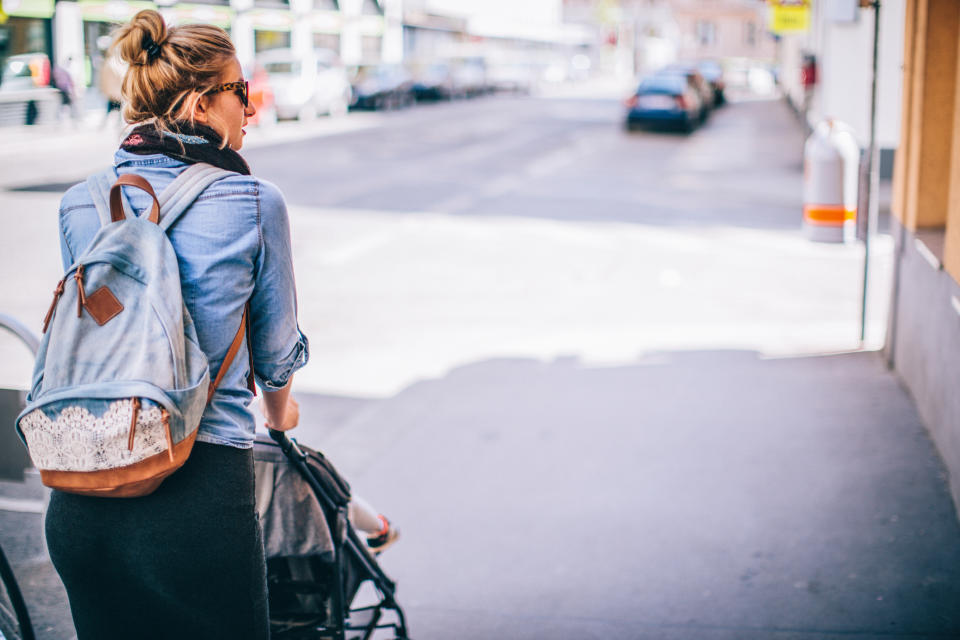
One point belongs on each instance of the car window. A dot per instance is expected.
(281, 67)
(664, 83)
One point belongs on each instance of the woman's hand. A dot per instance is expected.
(291, 417)
(281, 411)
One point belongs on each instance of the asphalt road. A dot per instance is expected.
(585, 372)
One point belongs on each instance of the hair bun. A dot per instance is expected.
(140, 41)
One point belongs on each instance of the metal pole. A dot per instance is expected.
(873, 171)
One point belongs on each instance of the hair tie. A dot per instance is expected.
(151, 47)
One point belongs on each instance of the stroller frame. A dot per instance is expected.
(351, 548)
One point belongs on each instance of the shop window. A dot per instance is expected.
(372, 8)
(23, 35)
(750, 33)
(329, 41)
(706, 33)
(19, 36)
(264, 40)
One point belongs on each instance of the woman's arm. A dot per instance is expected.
(279, 348)
(280, 409)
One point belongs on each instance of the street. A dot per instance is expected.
(600, 380)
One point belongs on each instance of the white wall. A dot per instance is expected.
(846, 50)
(509, 12)
(844, 55)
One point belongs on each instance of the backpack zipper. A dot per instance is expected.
(134, 412)
(53, 305)
(165, 418)
(82, 295)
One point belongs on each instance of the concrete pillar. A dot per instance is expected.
(68, 41)
(243, 40)
(351, 40)
(898, 205)
(301, 37)
(932, 113)
(392, 51)
(951, 252)
(301, 34)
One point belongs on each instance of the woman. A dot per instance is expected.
(187, 560)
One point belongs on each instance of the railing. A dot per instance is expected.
(13, 455)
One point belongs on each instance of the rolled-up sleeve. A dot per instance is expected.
(279, 347)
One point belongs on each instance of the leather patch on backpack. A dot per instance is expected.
(102, 305)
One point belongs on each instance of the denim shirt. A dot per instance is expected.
(233, 246)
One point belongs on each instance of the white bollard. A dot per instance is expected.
(830, 178)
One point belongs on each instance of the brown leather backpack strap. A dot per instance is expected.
(251, 383)
(231, 353)
(131, 180)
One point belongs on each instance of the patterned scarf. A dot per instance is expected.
(190, 143)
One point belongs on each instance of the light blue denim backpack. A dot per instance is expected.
(120, 383)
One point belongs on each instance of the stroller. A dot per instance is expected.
(316, 562)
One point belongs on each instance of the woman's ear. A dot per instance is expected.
(201, 110)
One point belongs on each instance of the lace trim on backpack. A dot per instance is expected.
(79, 441)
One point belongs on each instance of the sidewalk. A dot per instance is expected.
(706, 495)
(691, 495)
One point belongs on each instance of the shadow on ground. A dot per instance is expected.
(691, 495)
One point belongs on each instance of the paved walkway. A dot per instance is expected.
(691, 495)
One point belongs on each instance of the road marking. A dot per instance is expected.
(927, 254)
(21, 506)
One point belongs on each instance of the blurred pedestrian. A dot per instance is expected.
(63, 82)
(187, 560)
(112, 72)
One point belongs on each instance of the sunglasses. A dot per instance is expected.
(241, 88)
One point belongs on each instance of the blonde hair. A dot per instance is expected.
(170, 68)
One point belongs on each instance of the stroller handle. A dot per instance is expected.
(287, 445)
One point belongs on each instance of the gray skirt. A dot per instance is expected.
(184, 562)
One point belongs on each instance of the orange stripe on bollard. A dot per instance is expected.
(825, 214)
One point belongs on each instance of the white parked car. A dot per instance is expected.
(305, 86)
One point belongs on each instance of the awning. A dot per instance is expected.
(271, 19)
(325, 21)
(112, 10)
(219, 15)
(27, 8)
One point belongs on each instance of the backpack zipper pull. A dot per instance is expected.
(134, 412)
(81, 294)
(165, 418)
(53, 305)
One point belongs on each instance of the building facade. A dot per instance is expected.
(639, 36)
(923, 341)
(840, 44)
(75, 33)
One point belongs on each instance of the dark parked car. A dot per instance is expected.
(386, 86)
(667, 100)
(434, 82)
(713, 73)
(700, 84)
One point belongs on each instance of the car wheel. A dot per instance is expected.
(268, 117)
(338, 107)
(307, 112)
